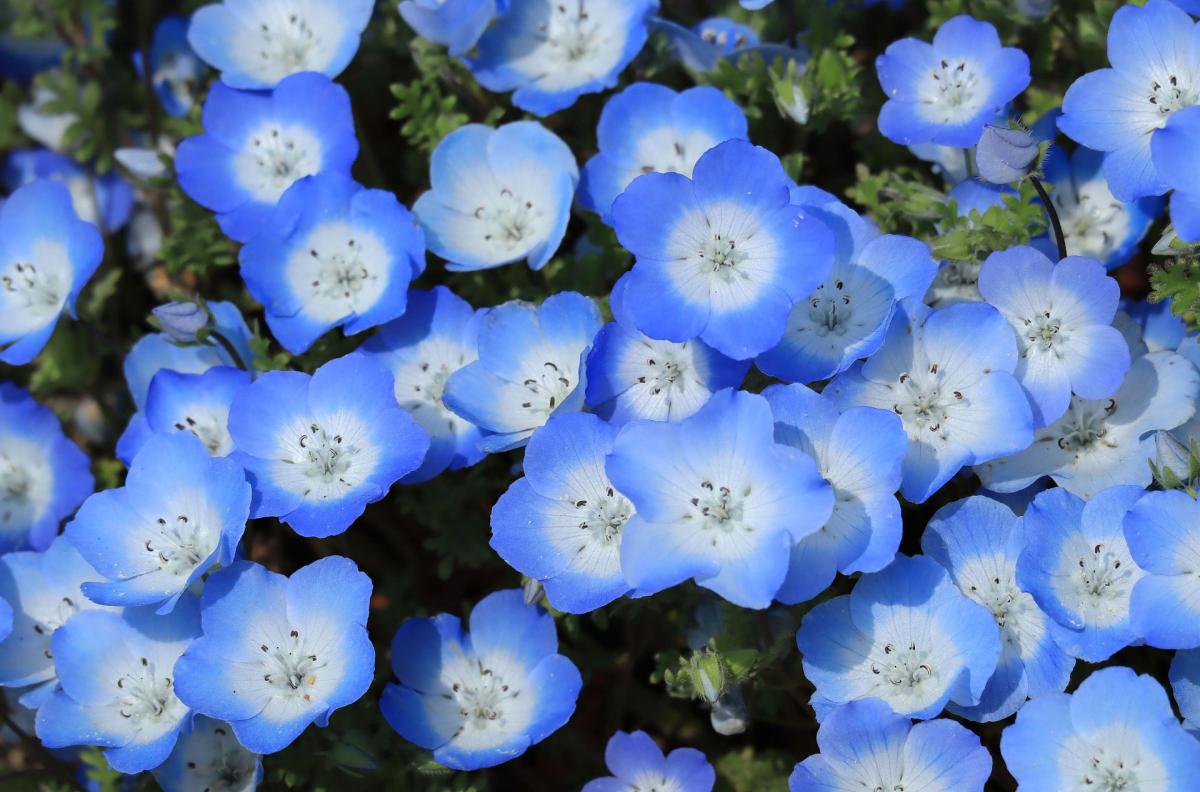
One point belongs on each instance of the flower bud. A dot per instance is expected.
(1170, 454)
(181, 321)
(1005, 155)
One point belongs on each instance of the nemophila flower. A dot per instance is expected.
(637, 763)
(456, 24)
(436, 336)
(1062, 316)
(649, 128)
(44, 476)
(209, 757)
(847, 316)
(906, 635)
(332, 254)
(1185, 684)
(1163, 532)
(47, 254)
(179, 513)
(43, 591)
(562, 523)
(958, 281)
(859, 453)
(175, 70)
(551, 53)
(259, 43)
(116, 671)
(947, 374)
(701, 47)
(1100, 443)
(722, 256)
(257, 144)
(1078, 567)
(481, 698)
(103, 200)
(319, 448)
(530, 366)
(22, 57)
(43, 125)
(1116, 731)
(1174, 150)
(1122, 110)
(498, 196)
(864, 745)
(947, 91)
(717, 500)
(1095, 223)
(978, 541)
(197, 404)
(279, 653)
(181, 321)
(1005, 154)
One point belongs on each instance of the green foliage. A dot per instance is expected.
(194, 243)
(1185, 476)
(426, 109)
(974, 237)
(751, 770)
(1178, 279)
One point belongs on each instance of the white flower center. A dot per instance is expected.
(1042, 332)
(953, 91)
(1175, 92)
(570, 32)
(224, 764)
(1103, 577)
(482, 699)
(1093, 221)
(513, 222)
(651, 781)
(276, 157)
(925, 403)
(326, 460)
(719, 256)
(291, 667)
(547, 388)
(604, 518)
(46, 622)
(1085, 425)
(902, 666)
(38, 291)
(288, 41)
(955, 282)
(719, 510)
(830, 308)
(211, 427)
(25, 484)
(146, 697)
(180, 544)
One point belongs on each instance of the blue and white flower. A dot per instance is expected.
(859, 452)
(1116, 731)
(498, 196)
(978, 541)
(259, 43)
(550, 53)
(180, 513)
(637, 763)
(481, 698)
(701, 47)
(319, 448)
(864, 745)
(105, 201)
(649, 128)
(257, 144)
(947, 374)
(562, 523)
(1163, 532)
(436, 336)
(197, 404)
(1185, 684)
(456, 24)
(116, 671)
(332, 254)
(717, 499)
(175, 70)
(209, 757)
(47, 254)
(906, 635)
(279, 653)
(530, 367)
(1174, 150)
(722, 256)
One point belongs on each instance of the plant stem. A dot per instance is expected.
(1054, 221)
(225, 343)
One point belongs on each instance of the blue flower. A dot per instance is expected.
(194, 403)
(562, 523)
(1123, 110)
(722, 256)
(1116, 731)
(1163, 532)
(637, 763)
(22, 57)
(1185, 683)
(207, 757)
(859, 453)
(701, 47)
(1095, 223)
(1006, 154)
(480, 699)
(649, 128)
(948, 91)
(43, 590)
(866, 745)
(947, 374)
(44, 476)
(118, 684)
(457, 24)
(257, 144)
(279, 653)
(717, 500)
(1062, 317)
(180, 513)
(175, 71)
(105, 201)
(1174, 150)
(6, 619)
(549, 53)
(978, 541)
(530, 366)
(1078, 567)
(259, 43)
(181, 321)
(47, 254)
(906, 635)
(436, 336)
(1099, 443)
(332, 254)
(319, 448)
(498, 196)
(847, 316)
